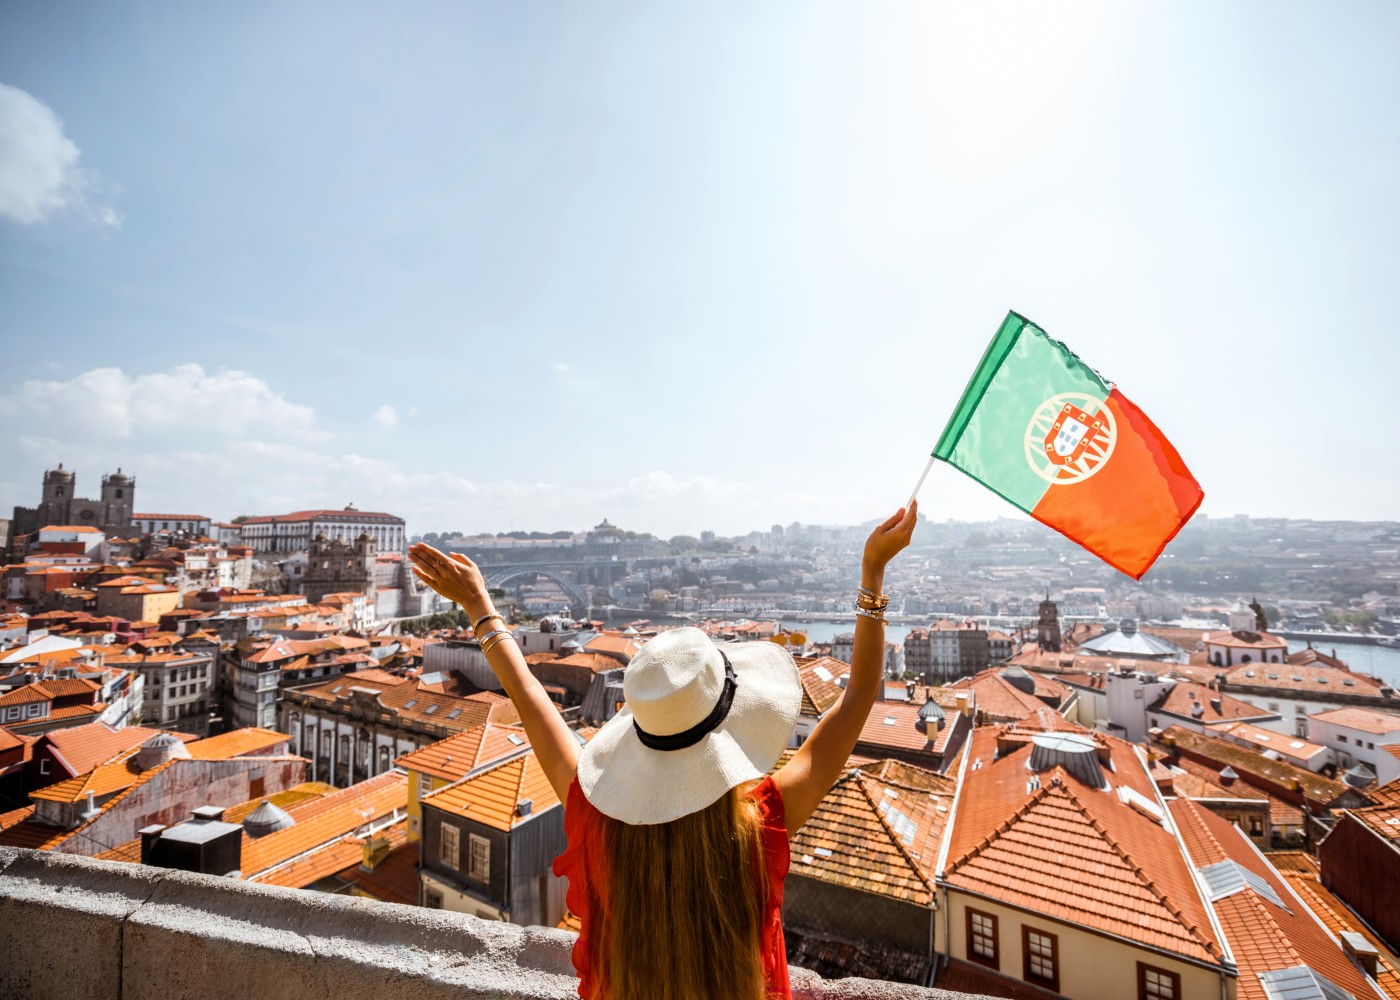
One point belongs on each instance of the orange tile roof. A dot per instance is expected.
(493, 796)
(997, 699)
(1183, 696)
(236, 743)
(457, 756)
(1249, 764)
(613, 642)
(1377, 723)
(1309, 677)
(9, 819)
(409, 701)
(891, 724)
(1382, 820)
(1303, 878)
(121, 770)
(81, 748)
(395, 878)
(1078, 854)
(1197, 781)
(918, 778)
(1267, 739)
(1262, 936)
(819, 688)
(876, 835)
(326, 820)
(1246, 640)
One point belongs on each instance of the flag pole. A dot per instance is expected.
(920, 484)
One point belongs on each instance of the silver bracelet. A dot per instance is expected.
(481, 641)
(873, 615)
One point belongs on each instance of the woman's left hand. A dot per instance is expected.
(454, 576)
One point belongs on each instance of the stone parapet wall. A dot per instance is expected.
(73, 928)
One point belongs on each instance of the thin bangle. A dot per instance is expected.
(482, 640)
(500, 637)
(872, 615)
(476, 625)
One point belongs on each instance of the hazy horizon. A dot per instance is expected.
(521, 266)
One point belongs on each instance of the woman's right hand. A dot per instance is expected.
(454, 576)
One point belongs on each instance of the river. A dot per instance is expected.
(1378, 661)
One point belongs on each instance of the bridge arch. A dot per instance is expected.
(578, 599)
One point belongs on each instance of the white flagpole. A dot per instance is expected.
(920, 484)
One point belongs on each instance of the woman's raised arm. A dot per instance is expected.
(457, 578)
(806, 778)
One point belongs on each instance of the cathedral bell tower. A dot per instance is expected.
(1047, 630)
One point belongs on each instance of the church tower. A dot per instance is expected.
(1047, 630)
(118, 499)
(57, 496)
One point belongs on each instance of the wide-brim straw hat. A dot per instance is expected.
(686, 735)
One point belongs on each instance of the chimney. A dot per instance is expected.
(376, 849)
(207, 813)
(1217, 706)
(964, 704)
(1363, 952)
(149, 836)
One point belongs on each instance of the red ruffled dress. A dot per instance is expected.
(580, 863)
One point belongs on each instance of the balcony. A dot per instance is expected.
(76, 927)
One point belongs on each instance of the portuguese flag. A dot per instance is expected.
(1044, 430)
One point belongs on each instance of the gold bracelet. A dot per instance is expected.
(872, 615)
(476, 625)
(500, 637)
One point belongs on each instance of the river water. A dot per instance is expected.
(1379, 661)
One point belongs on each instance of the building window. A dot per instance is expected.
(432, 899)
(425, 785)
(1341, 738)
(449, 845)
(1042, 965)
(1157, 984)
(44, 766)
(982, 938)
(479, 866)
(1256, 826)
(1273, 706)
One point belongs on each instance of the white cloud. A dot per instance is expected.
(560, 368)
(39, 172)
(385, 416)
(186, 404)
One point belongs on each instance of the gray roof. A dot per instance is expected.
(1131, 643)
(267, 818)
(1300, 983)
(1225, 878)
(1075, 752)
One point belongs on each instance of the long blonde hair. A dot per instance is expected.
(682, 906)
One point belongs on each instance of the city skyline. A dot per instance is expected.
(680, 266)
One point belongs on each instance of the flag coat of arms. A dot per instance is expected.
(1045, 431)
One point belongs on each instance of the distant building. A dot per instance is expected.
(294, 532)
(1360, 736)
(59, 504)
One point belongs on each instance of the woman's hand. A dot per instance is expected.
(886, 541)
(455, 577)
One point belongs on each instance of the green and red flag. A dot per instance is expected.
(1045, 431)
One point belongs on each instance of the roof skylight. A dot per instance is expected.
(1225, 878)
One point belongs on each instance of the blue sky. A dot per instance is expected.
(684, 266)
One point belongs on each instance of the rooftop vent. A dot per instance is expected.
(266, 818)
(1128, 626)
(1018, 678)
(1076, 753)
(1360, 776)
(159, 749)
(1227, 775)
(930, 712)
(524, 807)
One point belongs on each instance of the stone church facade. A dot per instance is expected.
(59, 505)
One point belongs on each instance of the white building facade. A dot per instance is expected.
(294, 532)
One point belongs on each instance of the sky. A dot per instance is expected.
(684, 266)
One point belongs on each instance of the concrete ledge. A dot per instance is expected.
(73, 927)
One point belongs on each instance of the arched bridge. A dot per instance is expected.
(500, 577)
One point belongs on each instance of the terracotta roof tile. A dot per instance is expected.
(1302, 877)
(1262, 935)
(997, 699)
(493, 797)
(326, 820)
(1377, 723)
(395, 878)
(819, 688)
(457, 756)
(1249, 764)
(1184, 696)
(81, 748)
(1079, 854)
(892, 724)
(876, 835)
